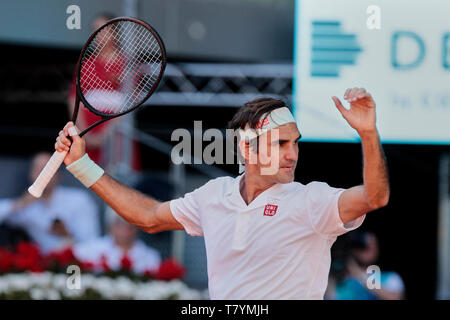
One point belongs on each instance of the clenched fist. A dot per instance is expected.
(75, 148)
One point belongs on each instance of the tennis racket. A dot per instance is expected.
(119, 68)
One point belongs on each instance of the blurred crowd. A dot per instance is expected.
(354, 273)
(68, 217)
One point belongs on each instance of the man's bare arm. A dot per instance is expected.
(139, 209)
(374, 193)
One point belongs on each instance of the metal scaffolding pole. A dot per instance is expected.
(124, 151)
(178, 177)
(443, 285)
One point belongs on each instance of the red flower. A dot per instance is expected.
(149, 273)
(59, 258)
(28, 249)
(6, 260)
(23, 262)
(36, 267)
(104, 264)
(27, 257)
(65, 257)
(86, 266)
(126, 262)
(170, 269)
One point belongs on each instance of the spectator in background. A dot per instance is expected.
(119, 247)
(98, 136)
(61, 217)
(350, 278)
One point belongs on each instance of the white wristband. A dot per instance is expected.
(85, 170)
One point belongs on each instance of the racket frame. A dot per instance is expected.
(79, 95)
(37, 188)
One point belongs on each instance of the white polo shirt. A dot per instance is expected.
(277, 247)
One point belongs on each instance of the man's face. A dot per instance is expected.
(278, 153)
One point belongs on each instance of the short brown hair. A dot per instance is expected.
(251, 112)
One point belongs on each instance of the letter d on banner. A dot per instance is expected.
(394, 50)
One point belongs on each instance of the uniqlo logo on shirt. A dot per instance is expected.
(270, 209)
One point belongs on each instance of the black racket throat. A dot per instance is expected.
(75, 116)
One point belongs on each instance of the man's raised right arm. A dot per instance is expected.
(141, 210)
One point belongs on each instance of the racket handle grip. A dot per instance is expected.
(47, 174)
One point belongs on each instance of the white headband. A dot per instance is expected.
(268, 121)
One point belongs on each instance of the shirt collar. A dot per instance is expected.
(275, 192)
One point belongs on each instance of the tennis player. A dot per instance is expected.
(266, 236)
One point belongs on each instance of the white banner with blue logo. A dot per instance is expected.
(399, 51)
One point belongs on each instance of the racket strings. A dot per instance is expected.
(139, 49)
(127, 73)
(96, 47)
(144, 50)
(90, 80)
(131, 51)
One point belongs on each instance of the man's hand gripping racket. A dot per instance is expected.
(119, 68)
